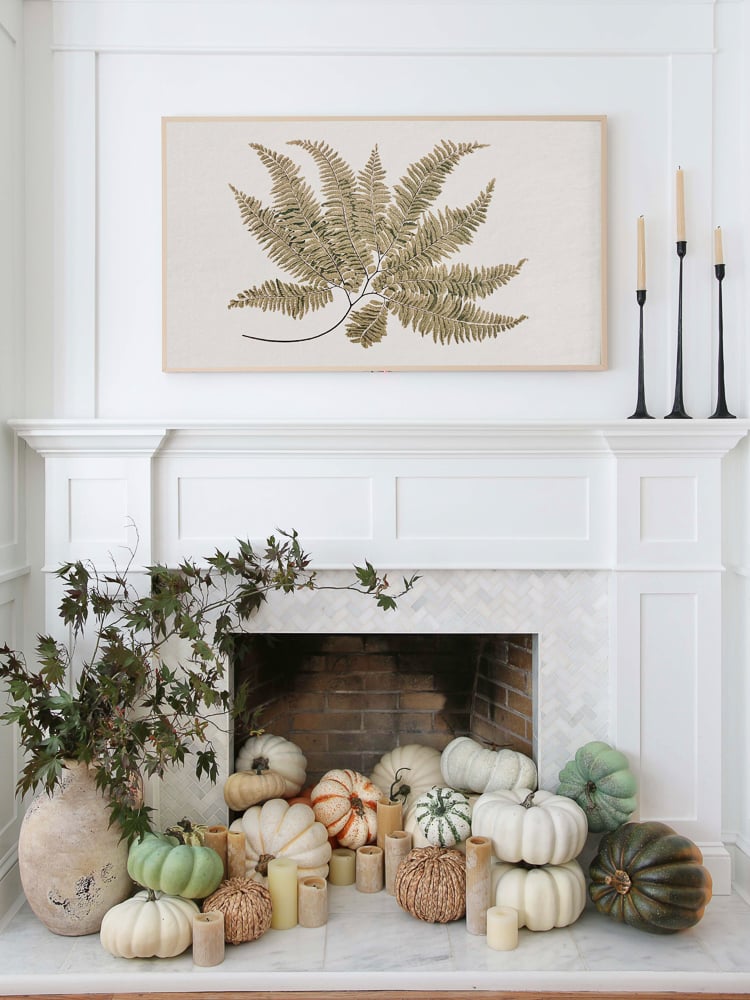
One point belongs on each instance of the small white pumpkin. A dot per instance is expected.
(148, 925)
(404, 773)
(247, 788)
(536, 827)
(278, 830)
(346, 802)
(444, 816)
(545, 897)
(274, 753)
(468, 765)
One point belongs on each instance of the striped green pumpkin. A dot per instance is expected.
(444, 816)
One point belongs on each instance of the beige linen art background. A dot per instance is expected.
(548, 206)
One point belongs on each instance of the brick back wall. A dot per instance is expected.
(345, 700)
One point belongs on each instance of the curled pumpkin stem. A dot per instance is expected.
(262, 866)
(403, 790)
(528, 802)
(620, 882)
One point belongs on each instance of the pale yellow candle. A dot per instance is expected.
(370, 868)
(216, 837)
(641, 279)
(282, 884)
(208, 938)
(478, 861)
(389, 819)
(342, 866)
(502, 928)
(718, 246)
(397, 846)
(236, 862)
(312, 902)
(680, 205)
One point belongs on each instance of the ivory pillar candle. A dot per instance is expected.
(369, 868)
(478, 861)
(236, 863)
(208, 938)
(342, 866)
(282, 884)
(216, 837)
(312, 902)
(397, 846)
(502, 928)
(680, 205)
(389, 819)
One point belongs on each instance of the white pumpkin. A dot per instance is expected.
(545, 897)
(346, 802)
(444, 816)
(536, 827)
(278, 830)
(274, 753)
(148, 925)
(468, 765)
(404, 773)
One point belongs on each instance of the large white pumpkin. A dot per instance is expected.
(466, 764)
(404, 773)
(536, 827)
(149, 925)
(278, 830)
(274, 753)
(545, 897)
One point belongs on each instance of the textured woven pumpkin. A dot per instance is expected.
(246, 906)
(431, 884)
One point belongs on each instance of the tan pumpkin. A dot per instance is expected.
(247, 788)
(148, 925)
(278, 830)
(268, 752)
(404, 773)
(346, 803)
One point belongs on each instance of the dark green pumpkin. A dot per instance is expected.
(649, 877)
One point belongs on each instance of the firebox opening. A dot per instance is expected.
(347, 699)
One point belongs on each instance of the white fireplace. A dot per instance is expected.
(604, 540)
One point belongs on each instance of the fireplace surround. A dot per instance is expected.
(603, 540)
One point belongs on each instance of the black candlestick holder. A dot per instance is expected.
(721, 412)
(640, 412)
(678, 408)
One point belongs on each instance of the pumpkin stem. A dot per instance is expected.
(528, 802)
(151, 895)
(590, 789)
(442, 806)
(620, 882)
(403, 790)
(357, 805)
(259, 765)
(262, 866)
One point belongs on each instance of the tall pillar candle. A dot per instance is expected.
(236, 862)
(312, 902)
(390, 818)
(208, 938)
(342, 866)
(502, 928)
(216, 837)
(397, 846)
(282, 884)
(370, 868)
(478, 883)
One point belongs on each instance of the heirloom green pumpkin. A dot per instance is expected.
(600, 781)
(649, 877)
(164, 864)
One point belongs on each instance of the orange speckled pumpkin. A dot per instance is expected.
(346, 803)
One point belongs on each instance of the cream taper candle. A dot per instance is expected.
(718, 246)
(312, 902)
(640, 285)
(216, 837)
(389, 819)
(369, 868)
(680, 205)
(397, 846)
(236, 861)
(208, 938)
(342, 866)
(478, 861)
(282, 884)
(502, 928)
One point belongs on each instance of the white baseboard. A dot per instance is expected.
(11, 894)
(739, 850)
(718, 860)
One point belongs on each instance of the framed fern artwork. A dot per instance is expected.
(339, 244)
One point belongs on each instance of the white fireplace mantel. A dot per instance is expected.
(638, 501)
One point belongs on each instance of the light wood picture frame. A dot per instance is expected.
(400, 244)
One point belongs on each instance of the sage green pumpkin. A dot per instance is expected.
(599, 780)
(162, 863)
(649, 877)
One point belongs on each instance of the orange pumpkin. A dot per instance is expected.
(346, 802)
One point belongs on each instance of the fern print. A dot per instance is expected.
(382, 252)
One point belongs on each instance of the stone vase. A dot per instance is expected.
(73, 865)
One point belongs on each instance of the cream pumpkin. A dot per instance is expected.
(346, 803)
(536, 827)
(466, 764)
(278, 830)
(268, 752)
(545, 897)
(405, 773)
(148, 925)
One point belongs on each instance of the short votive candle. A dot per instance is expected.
(370, 868)
(312, 902)
(502, 928)
(282, 884)
(208, 938)
(342, 866)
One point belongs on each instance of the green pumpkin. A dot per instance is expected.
(649, 877)
(444, 816)
(601, 783)
(164, 864)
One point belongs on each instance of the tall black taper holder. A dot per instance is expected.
(678, 409)
(721, 411)
(640, 412)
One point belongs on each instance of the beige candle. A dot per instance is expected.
(502, 928)
(236, 862)
(718, 246)
(208, 938)
(282, 884)
(640, 285)
(478, 861)
(389, 819)
(216, 837)
(370, 868)
(397, 846)
(342, 866)
(312, 902)
(680, 205)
